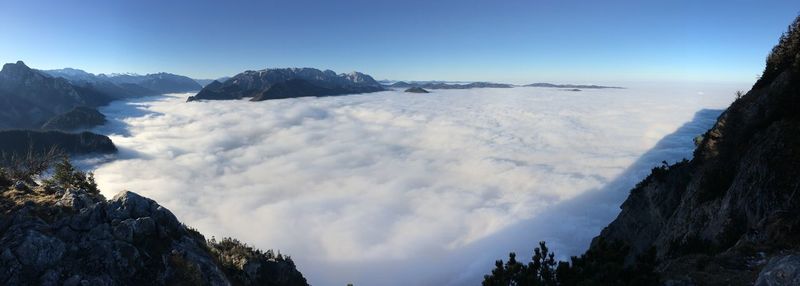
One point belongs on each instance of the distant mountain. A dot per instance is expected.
(78, 117)
(572, 86)
(444, 85)
(287, 83)
(128, 85)
(160, 82)
(205, 82)
(416, 90)
(29, 97)
(22, 141)
(117, 91)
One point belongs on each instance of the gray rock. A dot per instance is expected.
(779, 271)
(39, 251)
(21, 186)
(75, 199)
(128, 205)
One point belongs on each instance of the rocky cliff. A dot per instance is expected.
(63, 232)
(719, 218)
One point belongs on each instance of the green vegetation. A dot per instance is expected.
(28, 165)
(784, 56)
(602, 265)
(68, 177)
(238, 259)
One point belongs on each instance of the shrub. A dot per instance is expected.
(68, 177)
(28, 165)
(603, 264)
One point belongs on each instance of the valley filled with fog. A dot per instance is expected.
(393, 188)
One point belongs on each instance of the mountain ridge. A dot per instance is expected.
(728, 216)
(256, 84)
(129, 84)
(30, 97)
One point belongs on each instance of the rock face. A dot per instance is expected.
(443, 85)
(20, 142)
(710, 220)
(78, 117)
(60, 236)
(781, 270)
(29, 97)
(416, 90)
(287, 83)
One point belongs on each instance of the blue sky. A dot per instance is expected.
(506, 41)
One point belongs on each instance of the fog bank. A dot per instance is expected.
(394, 188)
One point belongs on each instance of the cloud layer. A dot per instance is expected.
(402, 189)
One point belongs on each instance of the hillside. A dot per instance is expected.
(64, 232)
(21, 142)
(29, 98)
(718, 218)
(78, 117)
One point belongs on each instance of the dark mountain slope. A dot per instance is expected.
(710, 220)
(78, 117)
(29, 97)
(20, 142)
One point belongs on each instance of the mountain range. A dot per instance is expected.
(444, 85)
(287, 83)
(128, 85)
(571, 86)
(31, 97)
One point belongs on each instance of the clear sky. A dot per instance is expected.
(506, 41)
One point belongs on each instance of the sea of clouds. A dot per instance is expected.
(393, 188)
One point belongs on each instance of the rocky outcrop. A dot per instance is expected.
(781, 270)
(53, 235)
(287, 83)
(716, 219)
(77, 118)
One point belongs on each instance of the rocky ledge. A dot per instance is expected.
(69, 234)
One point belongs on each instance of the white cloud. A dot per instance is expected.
(401, 189)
